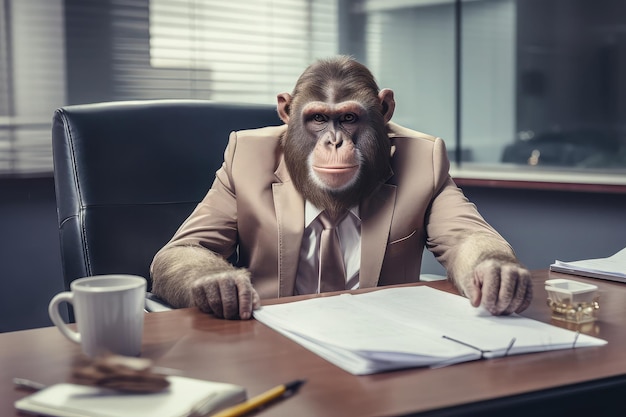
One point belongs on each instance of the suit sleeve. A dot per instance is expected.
(457, 234)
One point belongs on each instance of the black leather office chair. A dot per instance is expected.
(128, 173)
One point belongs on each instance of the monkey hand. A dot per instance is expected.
(502, 287)
(226, 294)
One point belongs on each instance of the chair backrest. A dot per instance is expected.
(127, 174)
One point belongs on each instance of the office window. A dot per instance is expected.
(420, 71)
(571, 84)
(542, 82)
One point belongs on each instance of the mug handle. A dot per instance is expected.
(55, 316)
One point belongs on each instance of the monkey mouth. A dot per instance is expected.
(339, 169)
(336, 176)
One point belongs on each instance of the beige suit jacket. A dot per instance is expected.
(253, 208)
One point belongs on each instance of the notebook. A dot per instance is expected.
(183, 397)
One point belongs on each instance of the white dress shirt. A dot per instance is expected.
(349, 230)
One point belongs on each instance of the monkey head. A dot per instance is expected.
(336, 145)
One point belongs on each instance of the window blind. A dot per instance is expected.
(6, 137)
(243, 51)
(59, 52)
(32, 82)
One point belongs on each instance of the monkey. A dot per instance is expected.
(339, 170)
(337, 151)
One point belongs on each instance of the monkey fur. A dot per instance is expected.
(337, 151)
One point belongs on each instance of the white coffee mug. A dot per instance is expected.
(109, 312)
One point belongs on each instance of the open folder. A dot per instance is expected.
(184, 397)
(406, 327)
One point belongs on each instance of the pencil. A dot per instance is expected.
(261, 399)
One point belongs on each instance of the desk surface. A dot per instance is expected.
(250, 354)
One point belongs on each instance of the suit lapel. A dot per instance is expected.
(289, 206)
(376, 214)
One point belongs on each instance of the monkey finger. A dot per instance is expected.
(245, 293)
(509, 300)
(489, 275)
(515, 289)
(200, 298)
(527, 297)
(229, 298)
(510, 286)
(473, 290)
(213, 296)
(256, 300)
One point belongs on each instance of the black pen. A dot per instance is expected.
(261, 399)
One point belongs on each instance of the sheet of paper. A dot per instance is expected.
(409, 326)
(613, 267)
(343, 330)
(454, 317)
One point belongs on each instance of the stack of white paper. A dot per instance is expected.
(612, 268)
(409, 327)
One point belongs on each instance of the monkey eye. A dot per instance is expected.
(319, 118)
(349, 118)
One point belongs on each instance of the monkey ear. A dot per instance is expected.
(388, 103)
(284, 101)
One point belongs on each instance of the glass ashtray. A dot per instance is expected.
(572, 301)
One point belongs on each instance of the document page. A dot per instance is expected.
(407, 327)
(611, 268)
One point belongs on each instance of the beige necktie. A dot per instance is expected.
(332, 269)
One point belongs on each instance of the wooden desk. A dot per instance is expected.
(577, 382)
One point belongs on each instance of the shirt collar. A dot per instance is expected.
(311, 212)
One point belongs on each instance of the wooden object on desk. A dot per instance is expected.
(588, 381)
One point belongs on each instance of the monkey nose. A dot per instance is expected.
(335, 141)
